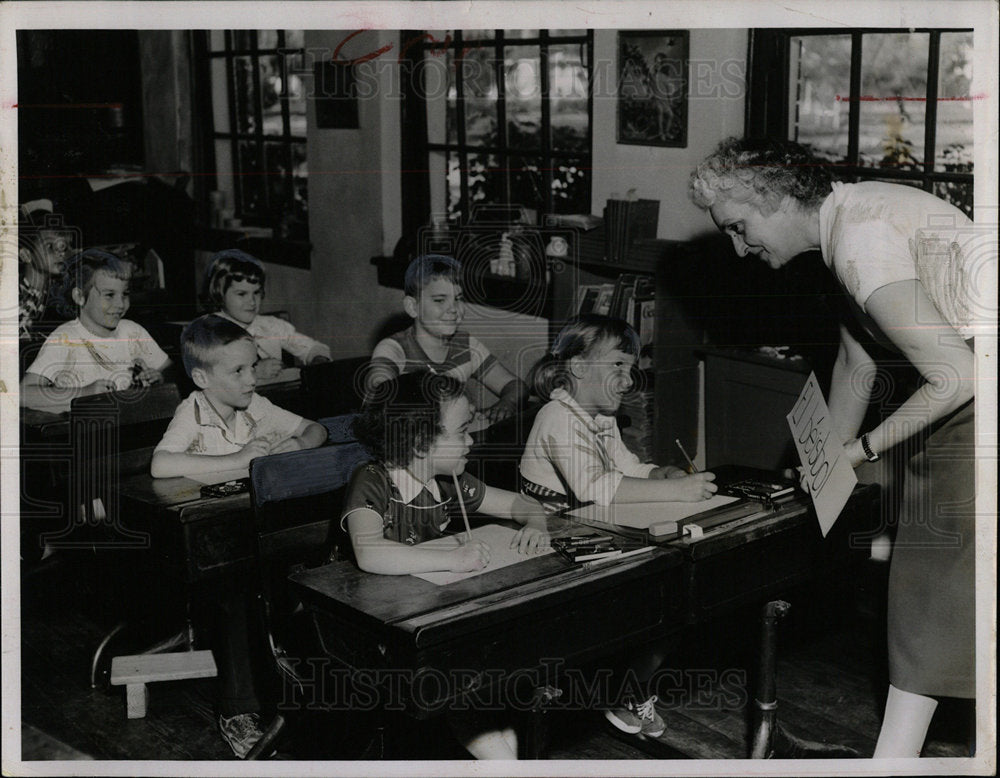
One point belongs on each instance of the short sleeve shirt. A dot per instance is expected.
(411, 512)
(571, 451)
(74, 357)
(197, 428)
(467, 357)
(873, 234)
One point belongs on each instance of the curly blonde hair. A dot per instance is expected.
(762, 173)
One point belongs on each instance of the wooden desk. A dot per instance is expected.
(758, 560)
(195, 537)
(476, 633)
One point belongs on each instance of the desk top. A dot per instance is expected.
(410, 603)
(176, 493)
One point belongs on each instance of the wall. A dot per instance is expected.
(339, 300)
(715, 111)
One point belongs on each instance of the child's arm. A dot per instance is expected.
(687, 488)
(376, 554)
(386, 363)
(537, 525)
(308, 435)
(170, 464)
(511, 390)
(42, 394)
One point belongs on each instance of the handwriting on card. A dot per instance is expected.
(827, 473)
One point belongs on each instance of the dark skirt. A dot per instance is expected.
(932, 577)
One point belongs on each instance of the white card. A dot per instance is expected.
(828, 473)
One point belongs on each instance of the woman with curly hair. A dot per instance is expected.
(904, 259)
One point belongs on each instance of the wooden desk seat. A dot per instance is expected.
(136, 670)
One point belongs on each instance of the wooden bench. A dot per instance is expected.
(136, 670)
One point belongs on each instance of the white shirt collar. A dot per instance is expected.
(598, 423)
(409, 487)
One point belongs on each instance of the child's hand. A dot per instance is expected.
(145, 376)
(499, 411)
(268, 368)
(667, 471)
(694, 487)
(98, 386)
(529, 540)
(288, 444)
(258, 447)
(470, 557)
(318, 358)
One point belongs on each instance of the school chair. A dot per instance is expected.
(335, 387)
(296, 498)
(339, 429)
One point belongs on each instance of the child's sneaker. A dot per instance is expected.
(241, 731)
(641, 718)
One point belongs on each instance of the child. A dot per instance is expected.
(236, 288)
(221, 426)
(418, 433)
(99, 350)
(433, 299)
(575, 455)
(574, 452)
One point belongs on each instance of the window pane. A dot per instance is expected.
(487, 181)
(267, 39)
(270, 94)
(217, 40)
(893, 99)
(571, 187)
(514, 34)
(568, 96)
(220, 96)
(224, 168)
(480, 93)
(250, 180)
(453, 191)
(821, 69)
(451, 104)
(241, 39)
(294, 39)
(954, 145)
(296, 94)
(958, 194)
(560, 33)
(527, 186)
(244, 93)
(477, 35)
(524, 96)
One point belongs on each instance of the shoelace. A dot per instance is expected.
(646, 709)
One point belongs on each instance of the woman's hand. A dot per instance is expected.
(266, 369)
(855, 452)
(469, 557)
(529, 540)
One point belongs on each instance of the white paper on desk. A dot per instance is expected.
(828, 474)
(220, 476)
(501, 554)
(640, 515)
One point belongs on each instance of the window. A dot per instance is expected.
(503, 117)
(884, 105)
(257, 136)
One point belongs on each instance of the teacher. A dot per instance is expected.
(902, 256)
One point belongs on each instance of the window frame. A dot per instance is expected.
(289, 251)
(417, 148)
(769, 100)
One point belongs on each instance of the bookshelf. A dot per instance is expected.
(673, 379)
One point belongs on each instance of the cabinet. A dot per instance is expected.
(747, 395)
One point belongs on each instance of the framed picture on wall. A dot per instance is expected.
(653, 87)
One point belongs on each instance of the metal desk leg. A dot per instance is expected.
(770, 739)
(536, 732)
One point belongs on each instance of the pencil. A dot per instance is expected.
(691, 464)
(461, 504)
